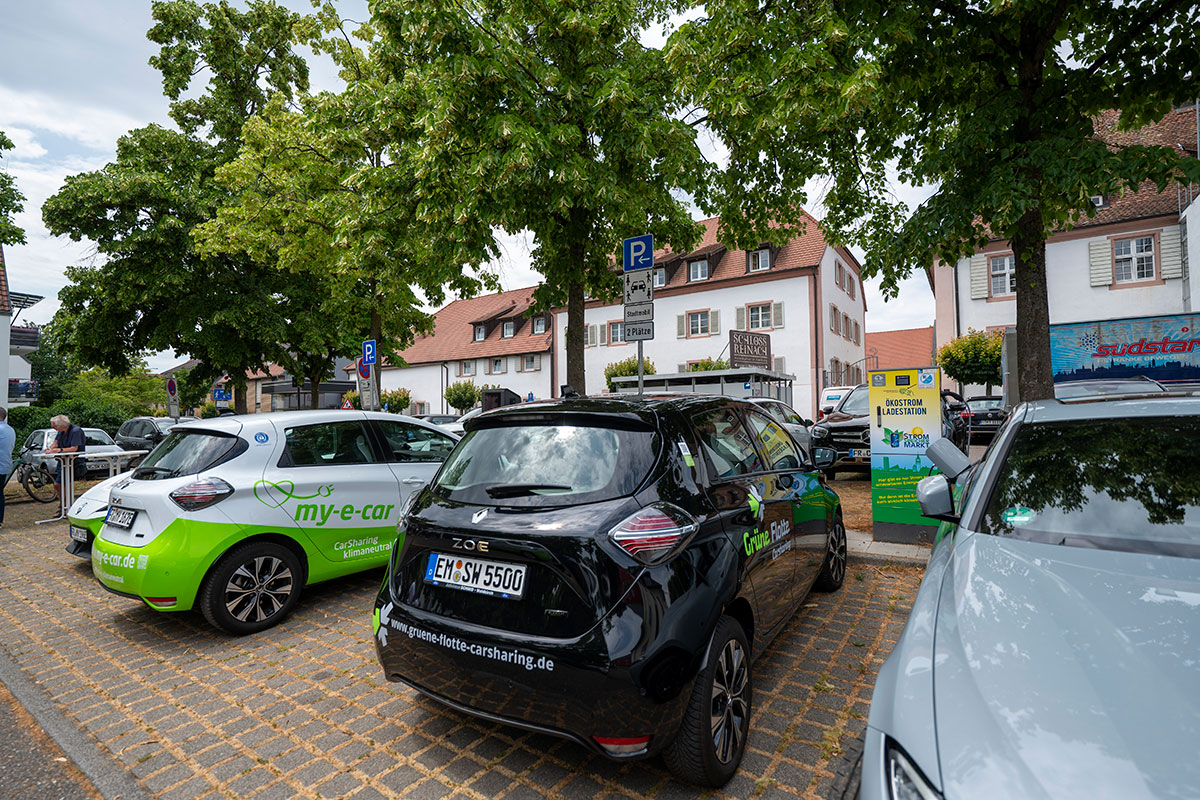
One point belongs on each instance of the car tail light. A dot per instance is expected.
(161, 602)
(965, 414)
(201, 494)
(655, 533)
(623, 746)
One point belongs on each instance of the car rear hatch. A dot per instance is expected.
(499, 510)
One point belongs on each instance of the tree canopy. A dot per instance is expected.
(552, 118)
(11, 202)
(973, 358)
(991, 104)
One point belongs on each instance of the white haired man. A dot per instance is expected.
(70, 439)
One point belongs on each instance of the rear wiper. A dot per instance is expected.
(523, 489)
(166, 470)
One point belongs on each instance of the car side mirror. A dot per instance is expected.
(935, 498)
(807, 422)
(949, 460)
(823, 457)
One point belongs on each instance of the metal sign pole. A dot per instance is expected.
(639, 367)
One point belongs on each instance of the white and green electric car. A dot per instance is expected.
(234, 515)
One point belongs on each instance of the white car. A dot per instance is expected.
(830, 396)
(235, 515)
(456, 427)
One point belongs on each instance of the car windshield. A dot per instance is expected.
(546, 465)
(985, 403)
(857, 403)
(96, 436)
(186, 452)
(1066, 391)
(1120, 484)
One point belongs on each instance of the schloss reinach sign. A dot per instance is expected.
(749, 350)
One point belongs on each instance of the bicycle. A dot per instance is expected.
(36, 479)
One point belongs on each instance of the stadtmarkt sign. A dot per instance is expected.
(748, 349)
(906, 417)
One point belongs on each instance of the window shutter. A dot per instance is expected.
(537, 362)
(681, 368)
(1100, 263)
(749, 255)
(780, 364)
(979, 277)
(680, 326)
(835, 318)
(591, 335)
(604, 333)
(714, 322)
(739, 318)
(777, 315)
(1171, 250)
(458, 369)
(837, 274)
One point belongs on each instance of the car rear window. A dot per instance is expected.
(97, 437)
(985, 403)
(187, 452)
(548, 464)
(856, 403)
(1121, 484)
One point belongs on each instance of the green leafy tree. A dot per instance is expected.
(52, 365)
(625, 367)
(135, 391)
(11, 202)
(462, 395)
(194, 386)
(709, 363)
(552, 118)
(974, 358)
(994, 105)
(396, 400)
(151, 289)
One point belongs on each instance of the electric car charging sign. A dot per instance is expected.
(906, 417)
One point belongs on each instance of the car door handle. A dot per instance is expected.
(412, 480)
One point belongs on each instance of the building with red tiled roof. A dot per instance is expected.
(806, 295)
(902, 349)
(1129, 259)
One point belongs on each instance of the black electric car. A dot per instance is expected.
(606, 569)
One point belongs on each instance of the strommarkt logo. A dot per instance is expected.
(275, 495)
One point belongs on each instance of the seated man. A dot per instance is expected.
(69, 439)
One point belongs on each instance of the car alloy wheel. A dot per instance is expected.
(252, 588)
(730, 709)
(712, 736)
(833, 571)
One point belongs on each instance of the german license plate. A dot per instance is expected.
(120, 517)
(79, 534)
(860, 453)
(476, 575)
(990, 422)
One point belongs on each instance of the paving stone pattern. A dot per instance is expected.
(303, 710)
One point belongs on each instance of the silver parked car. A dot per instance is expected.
(98, 443)
(1053, 650)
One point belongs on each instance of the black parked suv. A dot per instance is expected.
(847, 429)
(605, 570)
(144, 433)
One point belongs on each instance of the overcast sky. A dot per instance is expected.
(74, 77)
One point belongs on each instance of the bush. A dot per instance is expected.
(208, 410)
(706, 364)
(352, 396)
(396, 401)
(27, 419)
(626, 367)
(93, 413)
(462, 395)
(974, 358)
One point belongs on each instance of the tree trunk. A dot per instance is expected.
(314, 383)
(1035, 380)
(576, 333)
(240, 403)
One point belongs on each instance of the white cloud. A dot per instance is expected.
(93, 127)
(25, 144)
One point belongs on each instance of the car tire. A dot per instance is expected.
(833, 571)
(252, 588)
(698, 754)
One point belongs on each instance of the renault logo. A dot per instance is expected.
(479, 515)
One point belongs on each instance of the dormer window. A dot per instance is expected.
(539, 325)
(480, 333)
(660, 277)
(760, 260)
(508, 330)
(698, 270)
(1099, 201)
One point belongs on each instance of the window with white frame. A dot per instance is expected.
(835, 319)
(698, 323)
(480, 333)
(508, 330)
(539, 325)
(1004, 275)
(616, 332)
(660, 277)
(835, 370)
(760, 260)
(698, 270)
(1133, 259)
(467, 367)
(532, 363)
(838, 274)
(758, 317)
(846, 326)
(851, 284)
(499, 365)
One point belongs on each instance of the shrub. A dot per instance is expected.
(625, 367)
(27, 419)
(706, 364)
(396, 401)
(91, 412)
(974, 358)
(462, 395)
(209, 409)
(352, 396)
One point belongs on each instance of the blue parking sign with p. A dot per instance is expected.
(639, 252)
(368, 351)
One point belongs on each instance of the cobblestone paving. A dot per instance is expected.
(302, 710)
